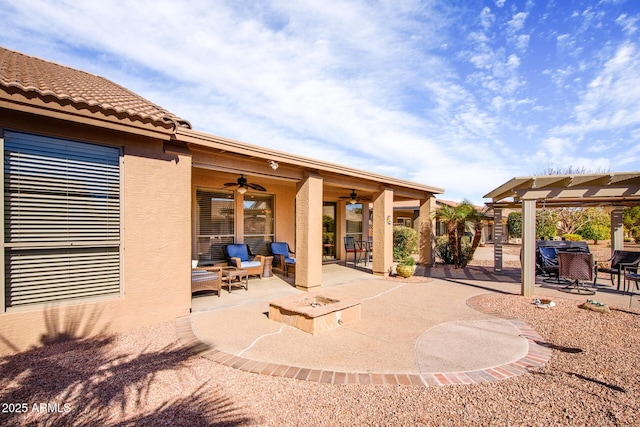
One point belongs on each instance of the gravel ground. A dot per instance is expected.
(144, 378)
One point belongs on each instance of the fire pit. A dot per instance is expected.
(314, 313)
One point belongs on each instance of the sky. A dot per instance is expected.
(458, 94)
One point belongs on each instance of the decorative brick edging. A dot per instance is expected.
(537, 356)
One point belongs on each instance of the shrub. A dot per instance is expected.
(443, 249)
(409, 261)
(514, 224)
(405, 242)
(596, 232)
(572, 237)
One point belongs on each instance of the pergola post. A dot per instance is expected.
(498, 231)
(528, 256)
(617, 229)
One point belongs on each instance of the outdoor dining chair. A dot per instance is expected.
(350, 247)
(576, 267)
(619, 261)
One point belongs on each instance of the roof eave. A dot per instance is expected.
(211, 141)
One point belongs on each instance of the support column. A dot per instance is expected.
(383, 232)
(427, 232)
(366, 221)
(309, 233)
(498, 232)
(528, 255)
(617, 229)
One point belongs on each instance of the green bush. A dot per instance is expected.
(514, 224)
(443, 249)
(405, 242)
(595, 232)
(572, 237)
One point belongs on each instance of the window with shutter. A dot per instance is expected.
(61, 219)
(215, 224)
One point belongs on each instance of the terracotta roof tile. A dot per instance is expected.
(84, 90)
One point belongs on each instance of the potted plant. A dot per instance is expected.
(406, 267)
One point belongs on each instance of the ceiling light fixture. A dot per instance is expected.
(274, 165)
(242, 190)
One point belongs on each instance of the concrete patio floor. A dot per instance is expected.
(426, 330)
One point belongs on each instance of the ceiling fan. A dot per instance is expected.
(354, 198)
(243, 185)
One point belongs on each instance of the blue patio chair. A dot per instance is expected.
(281, 258)
(239, 255)
(548, 261)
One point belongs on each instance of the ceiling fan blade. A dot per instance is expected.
(230, 184)
(257, 187)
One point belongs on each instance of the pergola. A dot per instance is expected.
(613, 190)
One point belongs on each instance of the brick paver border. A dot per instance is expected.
(539, 354)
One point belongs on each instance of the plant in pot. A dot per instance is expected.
(406, 267)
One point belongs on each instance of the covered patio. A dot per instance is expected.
(614, 191)
(310, 204)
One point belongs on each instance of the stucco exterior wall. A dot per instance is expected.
(155, 248)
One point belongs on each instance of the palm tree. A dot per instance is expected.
(475, 218)
(458, 219)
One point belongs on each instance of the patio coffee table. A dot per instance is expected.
(231, 273)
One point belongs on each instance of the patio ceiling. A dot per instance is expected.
(604, 189)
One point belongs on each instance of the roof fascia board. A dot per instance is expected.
(506, 189)
(190, 136)
(88, 119)
(572, 202)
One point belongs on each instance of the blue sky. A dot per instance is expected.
(462, 95)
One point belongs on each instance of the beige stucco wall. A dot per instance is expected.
(155, 254)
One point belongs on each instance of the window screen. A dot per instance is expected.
(61, 219)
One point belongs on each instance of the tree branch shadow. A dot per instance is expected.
(82, 378)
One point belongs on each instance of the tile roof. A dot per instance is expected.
(85, 91)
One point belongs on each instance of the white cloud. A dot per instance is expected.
(628, 23)
(486, 18)
(517, 22)
(357, 82)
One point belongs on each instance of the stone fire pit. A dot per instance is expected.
(314, 313)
